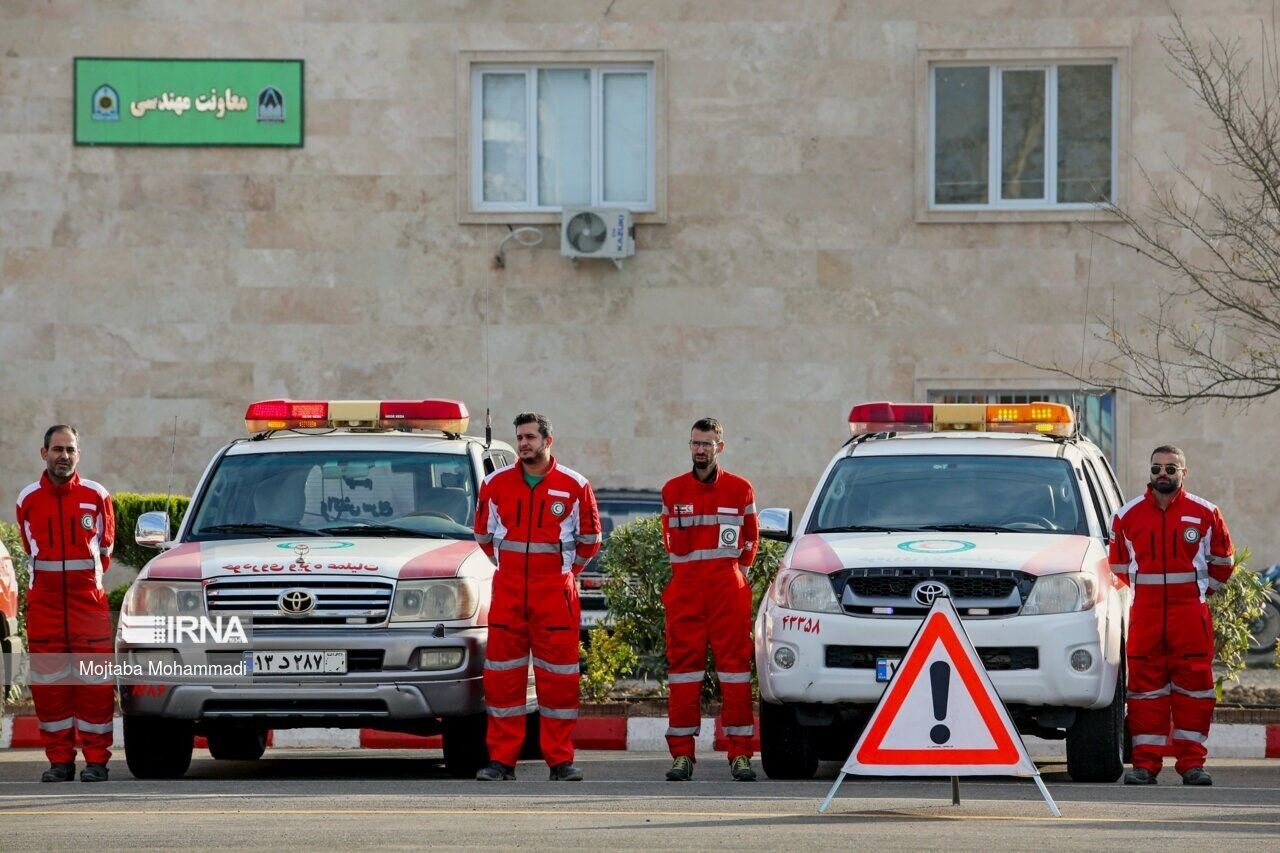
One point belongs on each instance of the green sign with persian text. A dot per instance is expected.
(194, 102)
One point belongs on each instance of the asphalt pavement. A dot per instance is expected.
(352, 800)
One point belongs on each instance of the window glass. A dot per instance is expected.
(564, 136)
(1084, 133)
(960, 135)
(626, 140)
(503, 137)
(1022, 137)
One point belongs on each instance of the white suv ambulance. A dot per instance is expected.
(340, 534)
(1004, 508)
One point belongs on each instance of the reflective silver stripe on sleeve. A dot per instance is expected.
(1196, 694)
(484, 538)
(1186, 734)
(709, 520)
(707, 554)
(1213, 583)
(684, 677)
(529, 547)
(514, 663)
(1150, 740)
(558, 713)
(513, 711)
(557, 668)
(739, 731)
(588, 539)
(1150, 694)
(1222, 561)
(57, 725)
(98, 728)
(581, 561)
(684, 731)
(1120, 568)
(1156, 579)
(749, 509)
(59, 565)
(734, 677)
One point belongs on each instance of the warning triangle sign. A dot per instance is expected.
(940, 714)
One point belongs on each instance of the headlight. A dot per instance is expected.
(800, 590)
(164, 598)
(1066, 593)
(434, 601)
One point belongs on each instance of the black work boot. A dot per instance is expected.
(681, 769)
(566, 772)
(1140, 776)
(59, 772)
(496, 772)
(94, 773)
(1197, 776)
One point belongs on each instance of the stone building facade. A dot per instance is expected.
(790, 257)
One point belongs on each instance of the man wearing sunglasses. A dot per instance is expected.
(710, 531)
(1173, 548)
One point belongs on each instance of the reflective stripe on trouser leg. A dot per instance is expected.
(1192, 703)
(94, 705)
(505, 688)
(56, 721)
(729, 616)
(553, 636)
(686, 632)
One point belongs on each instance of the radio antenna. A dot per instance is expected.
(173, 453)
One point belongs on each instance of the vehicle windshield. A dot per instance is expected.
(330, 493)
(1027, 494)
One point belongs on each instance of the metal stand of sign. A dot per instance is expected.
(827, 802)
(955, 794)
(1048, 800)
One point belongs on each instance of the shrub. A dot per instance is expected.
(635, 568)
(1234, 606)
(21, 567)
(128, 507)
(606, 658)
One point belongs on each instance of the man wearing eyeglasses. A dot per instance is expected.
(1173, 548)
(710, 532)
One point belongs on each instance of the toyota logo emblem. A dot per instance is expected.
(301, 549)
(926, 593)
(296, 602)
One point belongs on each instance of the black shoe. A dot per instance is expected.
(681, 769)
(59, 772)
(740, 768)
(1197, 776)
(94, 773)
(1139, 776)
(566, 773)
(496, 772)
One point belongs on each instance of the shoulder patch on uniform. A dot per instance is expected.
(1193, 519)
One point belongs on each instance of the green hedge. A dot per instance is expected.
(128, 507)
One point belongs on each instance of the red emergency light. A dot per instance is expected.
(448, 416)
(1041, 418)
(891, 417)
(444, 415)
(286, 414)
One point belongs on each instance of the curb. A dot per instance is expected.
(631, 734)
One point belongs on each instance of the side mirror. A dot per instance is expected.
(152, 529)
(775, 523)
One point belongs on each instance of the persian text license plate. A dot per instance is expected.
(297, 663)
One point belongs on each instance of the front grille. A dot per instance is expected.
(295, 708)
(993, 659)
(888, 591)
(337, 602)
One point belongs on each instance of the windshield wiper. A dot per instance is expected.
(864, 528)
(367, 527)
(259, 528)
(972, 528)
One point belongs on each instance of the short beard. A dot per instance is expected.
(1165, 488)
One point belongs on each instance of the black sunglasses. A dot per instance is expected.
(1168, 469)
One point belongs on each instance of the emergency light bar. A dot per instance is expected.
(1041, 418)
(449, 416)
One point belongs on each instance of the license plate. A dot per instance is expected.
(297, 663)
(885, 668)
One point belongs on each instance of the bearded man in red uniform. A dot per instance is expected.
(68, 527)
(1173, 548)
(710, 532)
(538, 521)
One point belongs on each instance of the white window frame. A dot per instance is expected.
(530, 71)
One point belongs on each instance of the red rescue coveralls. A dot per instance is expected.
(542, 537)
(710, 533)
(1172, 559)
(68, 531)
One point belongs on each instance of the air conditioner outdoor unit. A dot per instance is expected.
(597, 232)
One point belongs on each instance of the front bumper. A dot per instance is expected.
(396, 690)
(1053, 683)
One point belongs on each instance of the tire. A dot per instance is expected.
(156, 747)
(237, 743)
(465, 750)
(787, 750)
(1097, 741)
(531, 749)
(1264, 630)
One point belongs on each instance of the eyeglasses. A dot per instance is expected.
(701, 445)
(1168, 469)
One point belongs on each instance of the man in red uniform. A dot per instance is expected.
(1173, 549)
(710, 531)
(539, 519)
(68, 527)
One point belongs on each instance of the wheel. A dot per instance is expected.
(786, 748)
(237, 743)
(465, 750)
(156, 747)
(1264, 630)
(1096, 742)
(531, 749)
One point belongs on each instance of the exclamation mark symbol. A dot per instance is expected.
(940, 678)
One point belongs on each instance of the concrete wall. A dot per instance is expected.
(790, 279)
